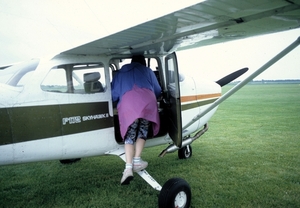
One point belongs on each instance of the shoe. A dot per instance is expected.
(139, 166)
(127, 176)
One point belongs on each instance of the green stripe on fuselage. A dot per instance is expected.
(21, 124)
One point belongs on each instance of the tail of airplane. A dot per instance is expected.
(230, 77)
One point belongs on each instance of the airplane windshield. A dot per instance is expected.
(13, 75)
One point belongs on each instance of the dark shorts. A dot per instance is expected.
(138, 129)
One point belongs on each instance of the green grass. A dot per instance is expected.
(248, 158)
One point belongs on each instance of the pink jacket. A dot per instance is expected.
(138, 103)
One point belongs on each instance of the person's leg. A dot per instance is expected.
(127, 173)
(129, 141)
(129, 152)
(138, 163)
(139, 146)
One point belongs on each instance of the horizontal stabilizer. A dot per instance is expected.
(227, 79)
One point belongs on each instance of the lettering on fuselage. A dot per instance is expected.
(94, 117)
(71, 120)
(79, 119)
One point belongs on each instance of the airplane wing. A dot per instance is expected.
(206, 23)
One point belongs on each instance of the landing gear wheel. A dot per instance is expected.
(176, 192)
(185, 152)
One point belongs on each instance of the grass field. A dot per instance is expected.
(250, 157)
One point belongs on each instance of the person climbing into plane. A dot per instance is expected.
(135, 89)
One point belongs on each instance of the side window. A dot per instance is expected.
(76, 79)
(55, 81)
(89, 80)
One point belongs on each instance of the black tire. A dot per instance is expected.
(185, 152)
(69, 161)
(176, 192)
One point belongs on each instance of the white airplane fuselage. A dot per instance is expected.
(38, 123)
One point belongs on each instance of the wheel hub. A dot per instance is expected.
(180, 199)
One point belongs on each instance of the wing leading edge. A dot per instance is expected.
(206, 23)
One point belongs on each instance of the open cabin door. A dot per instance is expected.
(173, 99)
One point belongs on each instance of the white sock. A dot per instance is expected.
(136, 159)
(128, 165)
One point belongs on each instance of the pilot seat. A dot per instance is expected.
(92, 83)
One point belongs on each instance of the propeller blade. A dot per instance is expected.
(230, 77)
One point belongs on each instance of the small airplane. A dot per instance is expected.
(60, 108)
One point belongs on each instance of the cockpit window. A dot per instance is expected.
(55, 81)
(76, 78)
(19, 74)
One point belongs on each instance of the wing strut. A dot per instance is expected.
(245, 81)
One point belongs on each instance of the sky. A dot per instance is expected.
(34, 28)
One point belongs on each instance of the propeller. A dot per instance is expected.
(230, 77)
